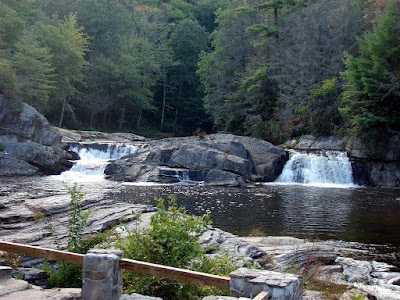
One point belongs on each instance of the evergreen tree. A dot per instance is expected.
(371, 97)
(68, 45)
(34, 72)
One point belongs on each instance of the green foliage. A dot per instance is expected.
(370, 99)
(69, 275)
(7, 77)
(77, 221)
(1, 147)
(171, 240)
(34, 74)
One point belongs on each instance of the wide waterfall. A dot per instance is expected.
(94, 159)
(322, 168)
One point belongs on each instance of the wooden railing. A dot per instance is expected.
(128, 264)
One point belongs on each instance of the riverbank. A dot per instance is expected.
(335, 262)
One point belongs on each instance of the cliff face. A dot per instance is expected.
(28, 145)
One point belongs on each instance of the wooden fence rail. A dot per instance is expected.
(128, 264)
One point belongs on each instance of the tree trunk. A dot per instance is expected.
(276, 26)
(122, 120)
(104, 118)
(177, 109)
(164, 100)
(64, 104)
(139, 119)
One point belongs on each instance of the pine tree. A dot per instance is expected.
(371, 96)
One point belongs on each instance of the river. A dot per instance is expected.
(317, 211)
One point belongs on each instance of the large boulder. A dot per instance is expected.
(28, 145)
(216, 159)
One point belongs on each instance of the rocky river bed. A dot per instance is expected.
(23, 200)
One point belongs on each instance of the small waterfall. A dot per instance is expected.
(184, 175)
(94, 159)
(328, 167)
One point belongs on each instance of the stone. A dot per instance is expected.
(249, 283)
(10, 165)
(101, 275)
(5, 272)
(244, 158)
(217, 177)
(35, 293)
(29, 145)
(11, 285)
(354, 270)
(138, 297)
(34, 276)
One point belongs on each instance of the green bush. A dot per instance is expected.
(172, 240)
(69, 275)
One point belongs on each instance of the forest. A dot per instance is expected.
(271, 69)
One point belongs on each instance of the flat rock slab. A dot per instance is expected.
(48, 294)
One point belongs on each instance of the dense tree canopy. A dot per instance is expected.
(271, 69)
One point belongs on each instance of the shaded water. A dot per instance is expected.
(368, 215)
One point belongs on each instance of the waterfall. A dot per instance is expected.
(94, 159)
(327, 167)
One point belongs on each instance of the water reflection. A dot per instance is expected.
(369, 215)
(313, 211)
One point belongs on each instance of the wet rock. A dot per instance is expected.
(375, 173)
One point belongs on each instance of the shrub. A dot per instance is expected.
(172, 240)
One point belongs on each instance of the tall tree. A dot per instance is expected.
(223, 69)
(134, 73)
(371, 96)
(68, 45)
(187, 40)
(34, 72)
(310, 57)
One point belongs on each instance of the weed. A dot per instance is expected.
(38, 215)
(10, 259)
(257, 232)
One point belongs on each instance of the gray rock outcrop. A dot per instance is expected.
(216, 159)
(310, 142)
(82, 136)
(28, 145)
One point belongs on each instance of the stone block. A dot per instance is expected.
(101, 275)
(249, 283)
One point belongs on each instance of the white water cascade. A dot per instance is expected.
(94, 159)
(323, 168)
